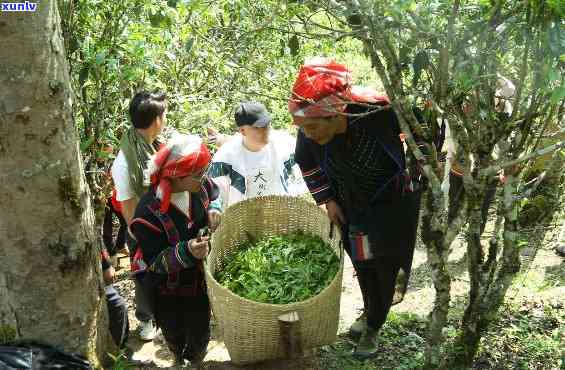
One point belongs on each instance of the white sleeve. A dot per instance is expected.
(223, 183)
(120, 175)
(296, 184)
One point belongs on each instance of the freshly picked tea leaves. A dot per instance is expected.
(280, 269)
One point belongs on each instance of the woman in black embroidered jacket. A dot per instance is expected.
(352, 159)
(166, 225)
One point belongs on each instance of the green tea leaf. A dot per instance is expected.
(280, 269)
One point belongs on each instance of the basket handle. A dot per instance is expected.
(341, 246)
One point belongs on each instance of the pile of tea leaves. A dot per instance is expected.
(280, 269)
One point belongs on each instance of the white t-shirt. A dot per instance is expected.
(241, 174)
(260, 173)
(120, 175)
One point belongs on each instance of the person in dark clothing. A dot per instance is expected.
(353, 162)
(167, 225)
(117, 306)
(113, 208)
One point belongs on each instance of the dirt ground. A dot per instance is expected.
(539, 265)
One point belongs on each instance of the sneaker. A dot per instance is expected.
(367, 346)
(359, 326)
(147, 331)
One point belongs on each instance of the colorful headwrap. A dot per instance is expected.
(183, 155)
(323, 89)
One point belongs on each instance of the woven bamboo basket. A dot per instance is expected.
(250, 329)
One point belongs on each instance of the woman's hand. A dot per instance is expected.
(199, 249)
(214, 137)
(335, 213)
(214, 218)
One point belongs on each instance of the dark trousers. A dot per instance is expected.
(378, 282)
(143, 305)
(108, 229)
(185, 322)
(379, 277)
(118, 316)
(143, 309)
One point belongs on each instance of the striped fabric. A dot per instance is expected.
(318, 184)
(360, 248)
(173, 259)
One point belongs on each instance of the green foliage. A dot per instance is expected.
(280, 269)
(530, 336)
(527, 335)
(7, 334)
(539, 207)
(448, 58)
(400, 347)
(120, 361)
(206, 56)
(535, 209)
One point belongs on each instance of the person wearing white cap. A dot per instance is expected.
(257, 161)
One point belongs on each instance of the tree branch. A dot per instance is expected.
(454, 227)
(492, 170)
(444, 52)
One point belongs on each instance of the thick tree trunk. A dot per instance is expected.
(50, 286)
(488, 290)
(437, 258)
(471, 330)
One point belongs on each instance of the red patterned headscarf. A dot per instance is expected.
(323, 88)
(182, 156)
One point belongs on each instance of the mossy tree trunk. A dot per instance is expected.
(50, 284)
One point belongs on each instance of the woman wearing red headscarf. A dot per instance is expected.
(167, 225)
(353, 161)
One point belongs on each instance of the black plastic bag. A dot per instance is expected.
(34, 355)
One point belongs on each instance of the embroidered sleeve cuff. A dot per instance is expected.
(173, 259)
(184, 256)
(318, 185)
